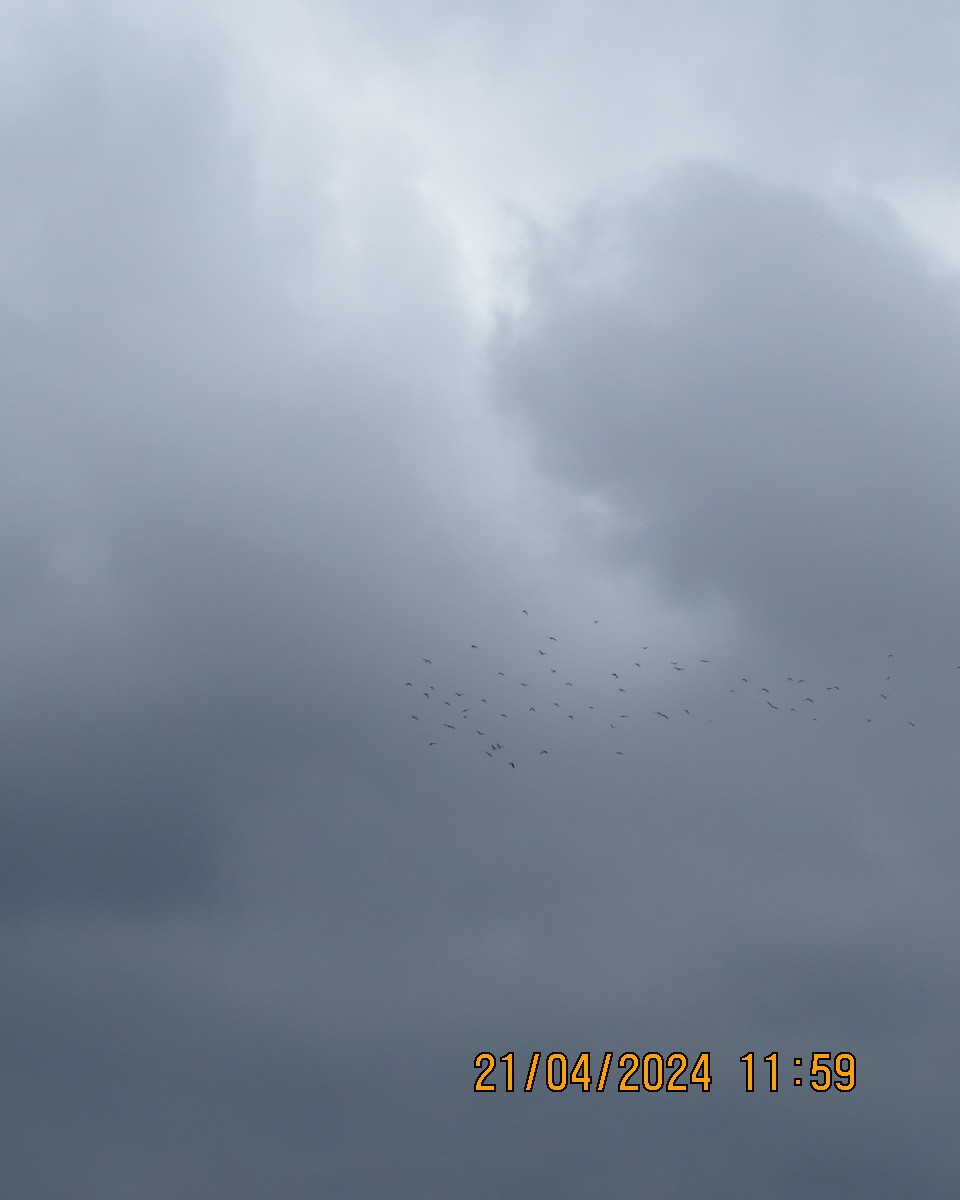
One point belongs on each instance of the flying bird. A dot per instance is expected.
(665, 717)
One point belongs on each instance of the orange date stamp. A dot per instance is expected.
(676, 1071)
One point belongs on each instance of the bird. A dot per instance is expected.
(552, 639)
(415, 717)
(541, 651)
(472, 647)
(543, 751)
(773, 706)
(614, 674)
(446, 726)
(665, 717)
(427, 660)
(408, 685)
(514, 765)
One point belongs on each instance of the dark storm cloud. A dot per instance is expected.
(254, 929)
(189, 464)
(763, 390)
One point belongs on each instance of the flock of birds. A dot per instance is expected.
(542, 697)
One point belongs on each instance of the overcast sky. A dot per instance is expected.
(336, 336)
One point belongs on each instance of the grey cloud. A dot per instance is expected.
(254, 929)
(754, 391)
